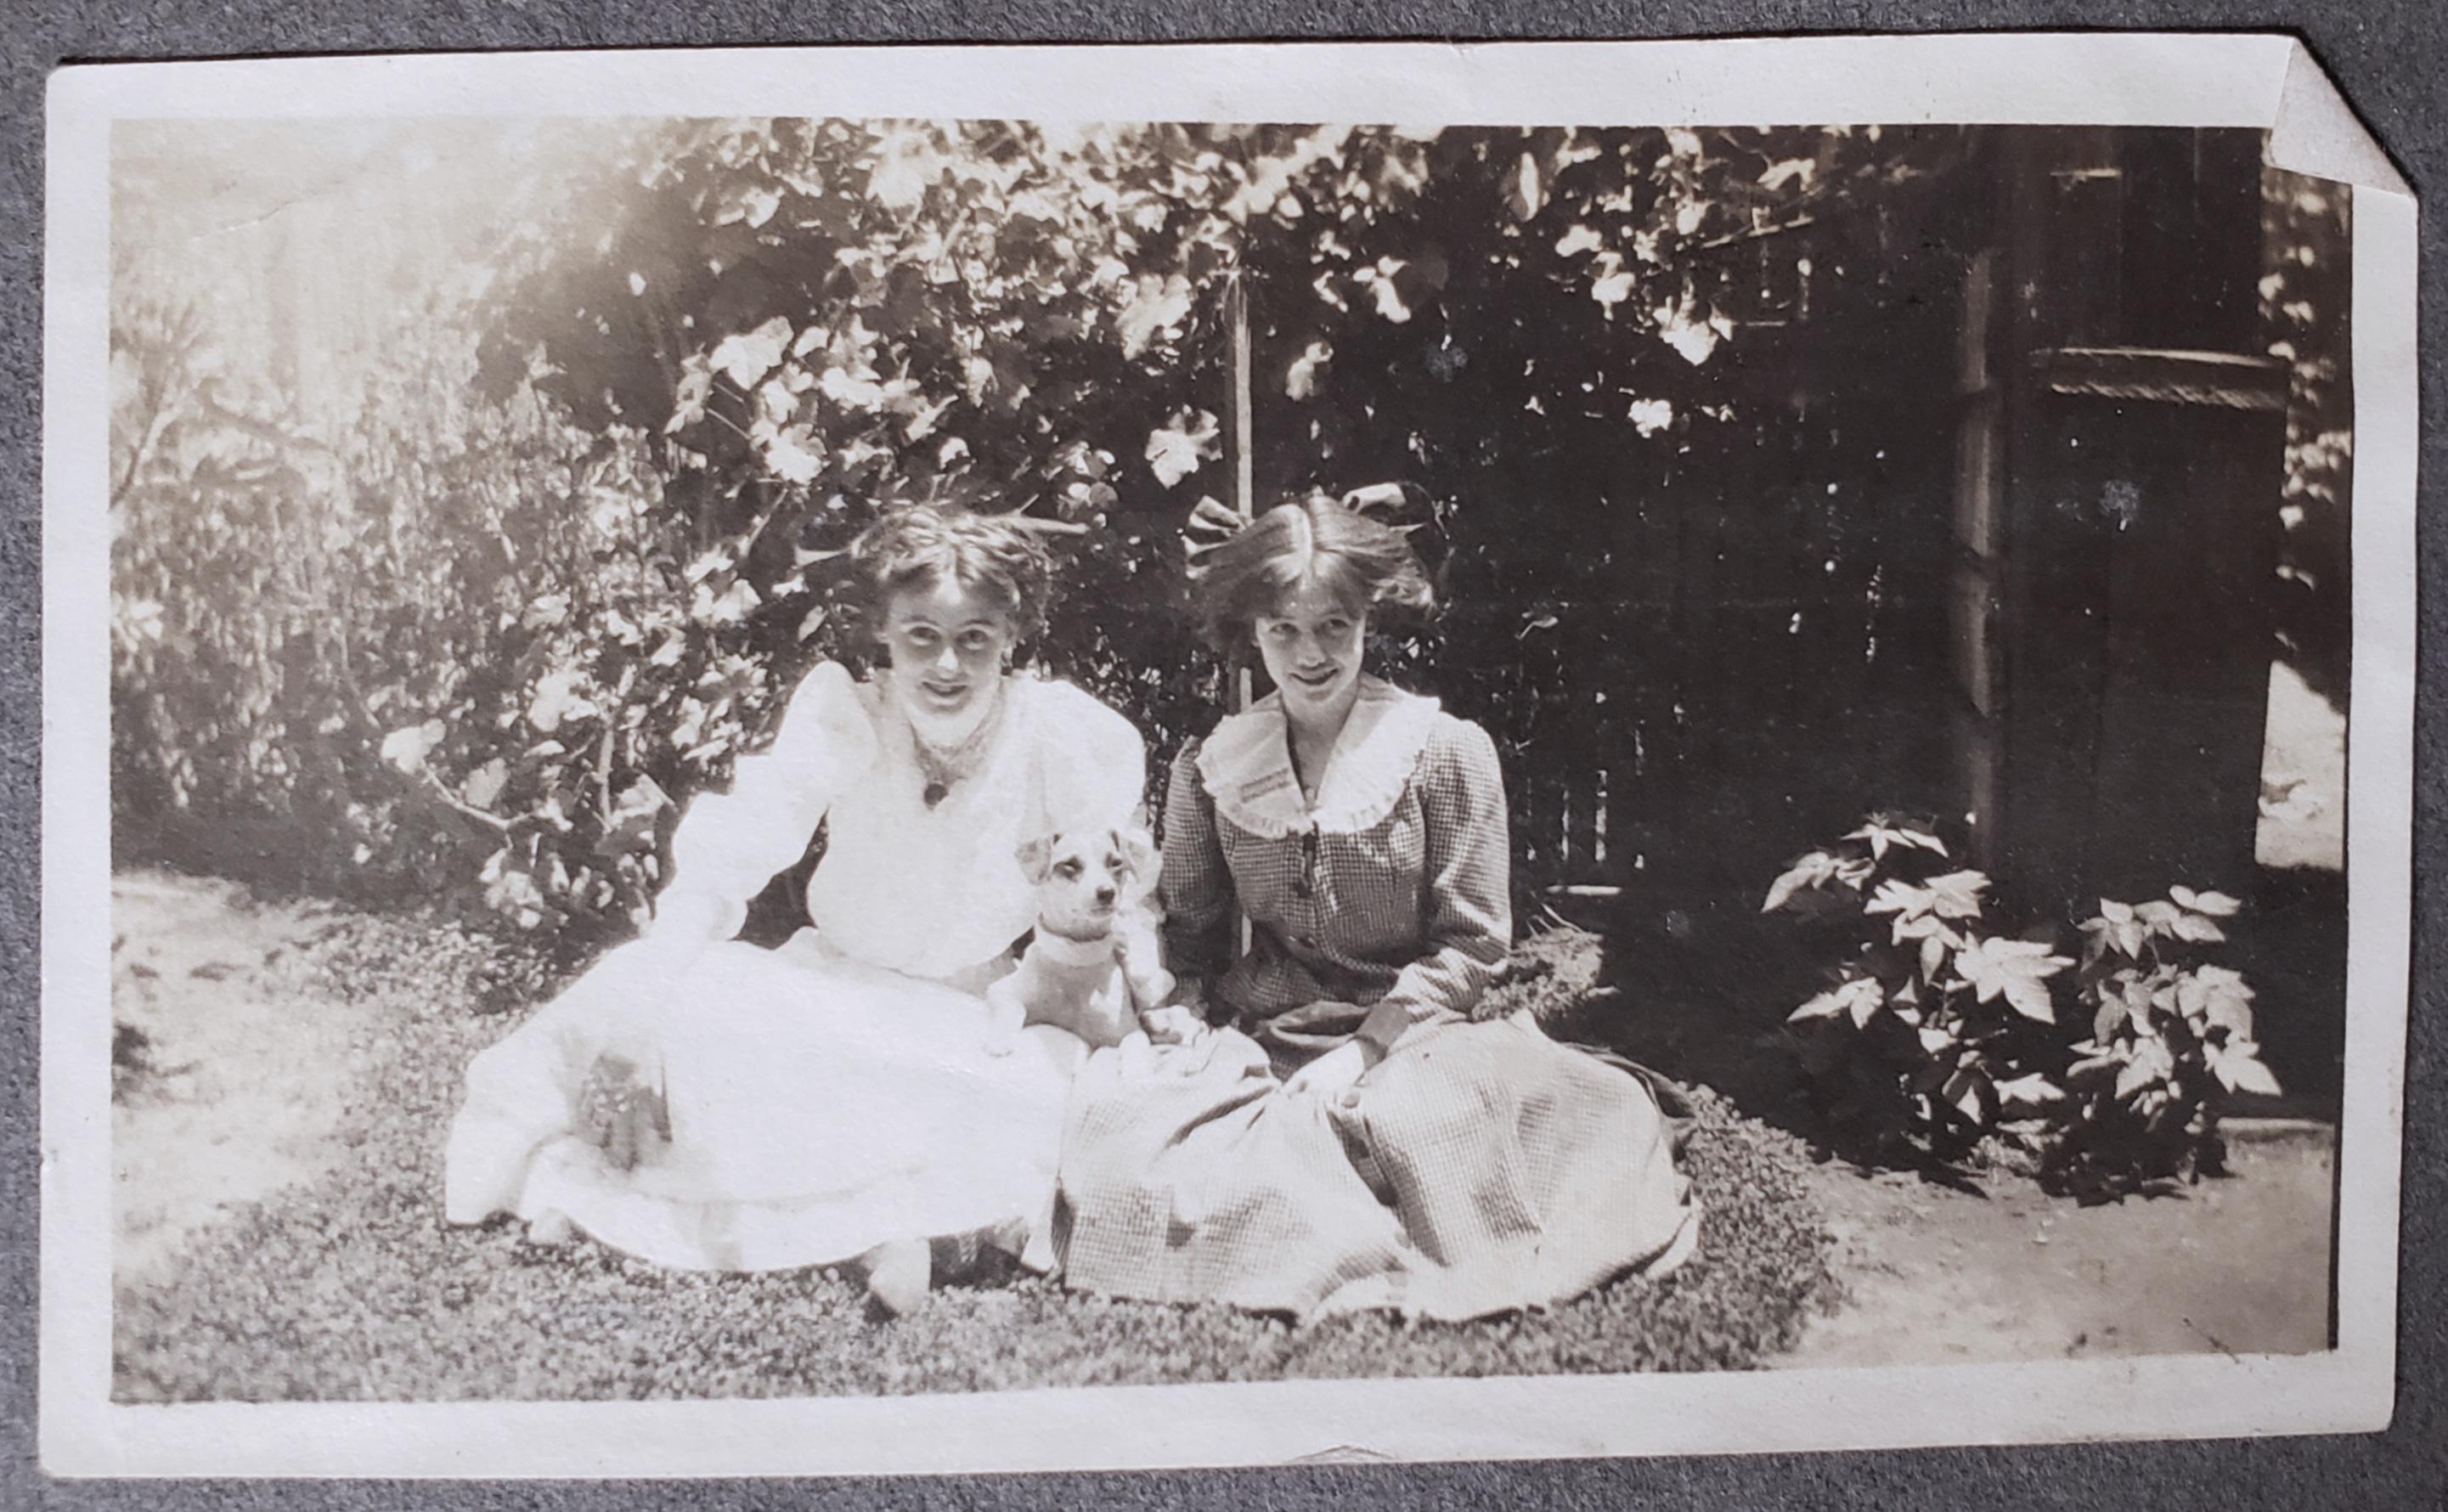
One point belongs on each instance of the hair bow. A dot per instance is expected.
(1388, 504)
(1211, 524)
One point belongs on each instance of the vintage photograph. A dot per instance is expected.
(814, 756)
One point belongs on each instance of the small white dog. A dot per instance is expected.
(1093, 970)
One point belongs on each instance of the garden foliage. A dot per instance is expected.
(2306, 305)
(1939, 1034)
(476, 625)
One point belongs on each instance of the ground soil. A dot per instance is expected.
(238, 1091)
(1939, 1276)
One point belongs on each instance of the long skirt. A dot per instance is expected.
(817, 1107)
(1479, 1168)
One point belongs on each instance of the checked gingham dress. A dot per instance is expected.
(1477, 1168)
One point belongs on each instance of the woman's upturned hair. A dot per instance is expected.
(1366, 564)
(919, 546)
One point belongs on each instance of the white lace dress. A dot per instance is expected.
(837, 1093)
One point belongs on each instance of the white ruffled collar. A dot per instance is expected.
(1246, 766)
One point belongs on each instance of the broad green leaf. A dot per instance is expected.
(2198, 929)
(2031, 1092)
(1579, 240)
(2217, 905)
(485, 784)
(788, 456)
(407, 749)
(1810, 871)
(1182, 445)
(1900, 897)
(1526, 191)
(2111, 1018)
(1156, 304)
(2239, 1069)
(1923, 927)
(1797, 171)
(2148, 1064)
(1881, 835)
(2093, 1069)
(1858, 999)
(557, 701)
(1301, 380)
(746, 358)
(2017, 969)
(2218, 996)
(1967, 1091)
(1956, 896)
(1933, 956)
(2141, 1000)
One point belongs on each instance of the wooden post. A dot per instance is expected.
(1237, 312)
(1245, 504)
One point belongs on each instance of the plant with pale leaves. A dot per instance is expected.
(2170, 1045)
(1924, 1040)
(1937, 1032)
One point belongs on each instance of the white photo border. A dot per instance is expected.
(2263, 81)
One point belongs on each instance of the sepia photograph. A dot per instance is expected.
(906, 757)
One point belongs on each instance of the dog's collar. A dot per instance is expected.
(1246, 766)
(1063, 951)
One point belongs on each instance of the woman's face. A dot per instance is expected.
(1311, 646)
(948, 641)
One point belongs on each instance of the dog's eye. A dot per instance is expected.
(1066, 869)
(1117, 864)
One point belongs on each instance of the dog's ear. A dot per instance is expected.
(1139, 855)
(1035, 856)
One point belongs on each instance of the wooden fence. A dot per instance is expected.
(1930, 539)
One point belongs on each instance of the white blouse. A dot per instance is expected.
(930, 892)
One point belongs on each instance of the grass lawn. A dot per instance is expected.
(287, 1075)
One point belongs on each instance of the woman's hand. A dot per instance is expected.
(619, 1109)
(1175, 1023)
(1332, 1074)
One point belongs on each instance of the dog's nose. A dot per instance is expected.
(1106, 893)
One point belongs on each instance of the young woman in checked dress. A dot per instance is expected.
(1348, 1138)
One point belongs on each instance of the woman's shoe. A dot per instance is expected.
(551, 1226)
(898, 1274)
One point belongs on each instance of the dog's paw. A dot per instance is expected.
(1005, 1021)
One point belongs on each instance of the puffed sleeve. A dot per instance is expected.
(1469, 882)
(1094, 761)
(729, 844)
(1196, 883)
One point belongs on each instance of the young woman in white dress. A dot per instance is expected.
(705, 1103)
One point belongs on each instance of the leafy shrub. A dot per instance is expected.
(1925, 1040)
(1937, 1034)
(1554, 975)
(2170, 1037)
